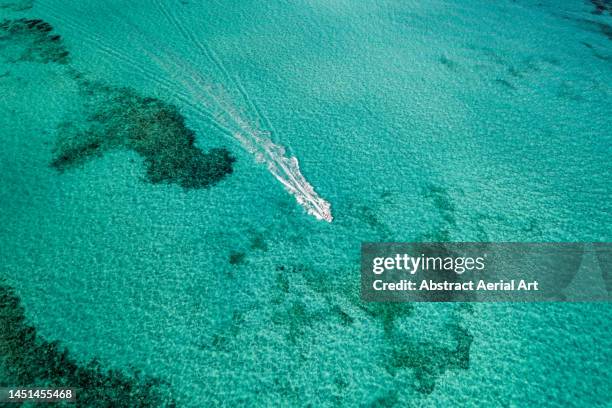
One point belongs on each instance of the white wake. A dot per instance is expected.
(201, 97)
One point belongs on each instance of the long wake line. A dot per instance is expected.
(200, 96)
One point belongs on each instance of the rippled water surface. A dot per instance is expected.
(167, 168)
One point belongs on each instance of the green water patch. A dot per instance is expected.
(31, 40)
(17, 5)
(120, 118)
(29, 360)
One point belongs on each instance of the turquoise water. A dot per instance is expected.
(435, 121)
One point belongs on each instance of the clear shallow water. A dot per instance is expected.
(446, 121)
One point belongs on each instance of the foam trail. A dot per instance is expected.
(285, 169)
(193, 90)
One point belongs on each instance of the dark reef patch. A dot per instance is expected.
(430, 360)
(29, 360)
(593, 26)
(119, 118)
(505, 83)
(301, 322)
(31, 40)
(448, 63)
(236, 258)
(602, 6)
(597, 54)
(528, 66)
(296, 319)
(568, 90)
(388, 313)
(344, 317)
(257, 242)
(442, 203)
(369, 215)
(291, 315)
(387, 400)
(507, 71)
(223, 340)
(310, 277)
